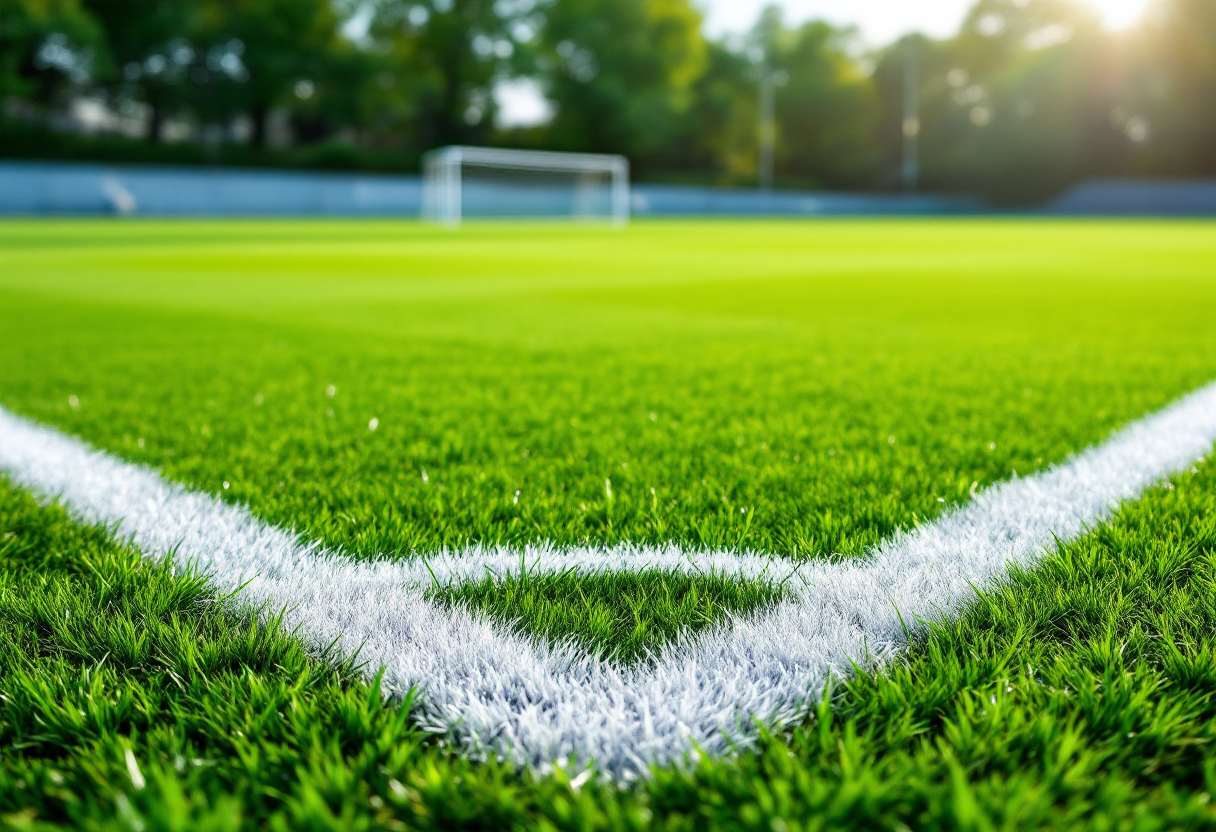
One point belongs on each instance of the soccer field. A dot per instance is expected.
(642, 441)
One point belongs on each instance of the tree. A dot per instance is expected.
(260, 54)
(354, 91)
(621, 73)
(152, 52)
(47, 47)
(826, 107)
(717, 135)
(1170, 87)
(1016, 107)
(451, 52)
(1036, 113)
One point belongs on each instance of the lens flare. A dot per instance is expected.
(1119, 14)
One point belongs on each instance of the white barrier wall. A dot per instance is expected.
(70, 188)
(48, 188)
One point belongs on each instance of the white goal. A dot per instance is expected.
(462, 183)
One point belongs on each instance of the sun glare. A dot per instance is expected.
(1119, 14)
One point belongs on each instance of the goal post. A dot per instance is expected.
(462, 183)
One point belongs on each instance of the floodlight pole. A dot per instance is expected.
(910, 170)
(768, 127)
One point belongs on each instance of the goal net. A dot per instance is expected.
(462, 183)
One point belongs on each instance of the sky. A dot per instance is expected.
(882, 21)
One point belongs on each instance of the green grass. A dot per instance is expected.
(738, 384)
(227, 722)
(619, 617)
(793, 388)
(1079, 696)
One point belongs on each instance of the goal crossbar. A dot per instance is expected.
(446, 180)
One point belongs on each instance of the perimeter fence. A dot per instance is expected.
(80, 189)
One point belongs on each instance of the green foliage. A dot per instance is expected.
(718, 134)
(1173, 70)
(151, 53)
(622, 617)
(23, 140)
(27, 68)
(826, 109)
(1026, 119)
(455, 49)
(276, 44)
(1030, 97)
(622, 72)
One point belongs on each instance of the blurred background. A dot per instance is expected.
(1010, 102)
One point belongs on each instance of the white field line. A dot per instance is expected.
(501, 694)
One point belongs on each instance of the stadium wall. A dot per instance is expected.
(1140, 197)
(76, 189)
(83, 189)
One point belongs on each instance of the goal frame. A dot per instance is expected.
(443, 178)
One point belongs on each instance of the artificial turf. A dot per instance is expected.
(794, 388)
(620, 617)
(1077, 696)
(790, 387)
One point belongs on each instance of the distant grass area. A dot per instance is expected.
(789, 387)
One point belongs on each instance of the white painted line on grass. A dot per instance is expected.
(502, 694)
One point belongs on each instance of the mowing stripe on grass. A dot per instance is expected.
(499, 693)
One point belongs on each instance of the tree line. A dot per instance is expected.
(1029, 96)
